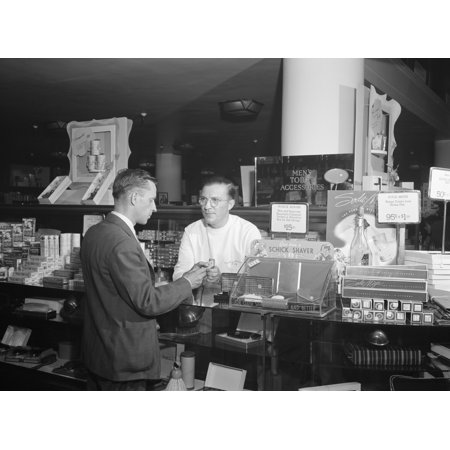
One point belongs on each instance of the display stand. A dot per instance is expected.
(97, 147)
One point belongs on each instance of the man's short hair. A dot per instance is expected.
(127, 179)
(219, 179)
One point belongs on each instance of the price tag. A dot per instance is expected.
(439, 184)
(289, 217)
(398, 207)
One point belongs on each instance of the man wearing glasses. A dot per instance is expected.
(219, 237)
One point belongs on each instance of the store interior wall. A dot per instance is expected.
(22, 144)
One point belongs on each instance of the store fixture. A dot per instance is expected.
(98, 149)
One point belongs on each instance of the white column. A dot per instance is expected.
(168, 160)
(319, 98)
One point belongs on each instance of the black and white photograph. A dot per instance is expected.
(182, 127)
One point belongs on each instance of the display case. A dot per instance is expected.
(297, 286)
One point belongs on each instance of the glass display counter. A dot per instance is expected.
(296, 286)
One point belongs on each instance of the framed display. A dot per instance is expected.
(92, 149)
(163, 198)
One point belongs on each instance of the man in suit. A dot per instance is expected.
(120, 343)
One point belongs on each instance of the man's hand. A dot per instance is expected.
(213, 273)
(196, 275)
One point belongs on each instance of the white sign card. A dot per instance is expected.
(289, 217)
(439, 183)
(400, 207)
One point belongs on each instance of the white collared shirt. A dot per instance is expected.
(127, 221)
(131, 226)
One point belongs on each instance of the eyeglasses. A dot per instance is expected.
(214, 201)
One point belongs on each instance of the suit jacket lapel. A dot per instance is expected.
(119, 222)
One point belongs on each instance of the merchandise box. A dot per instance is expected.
(346, 313)
(355, 303)
(248, 334)
(296, 286)
(378, 305)
(243, 343)
(416, 317)
(366, 303)
(416, 272)
(406, 306)
(54, 190)
(428, 317)
(393, 305)
(390, 316)
(391, 284)
(379, 316)
(98, 188)
(224, 378)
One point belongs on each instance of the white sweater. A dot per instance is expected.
(227, 245)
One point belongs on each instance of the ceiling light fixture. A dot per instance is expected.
(143, 116)
(242, 109)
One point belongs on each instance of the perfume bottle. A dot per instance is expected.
(360, 253)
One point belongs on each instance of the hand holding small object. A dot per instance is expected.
(213, 274)
(196, 275)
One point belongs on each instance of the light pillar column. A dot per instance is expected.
(319, 104)
(168, 160)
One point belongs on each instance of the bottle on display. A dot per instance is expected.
(360, 253)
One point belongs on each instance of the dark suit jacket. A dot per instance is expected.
(120, 341)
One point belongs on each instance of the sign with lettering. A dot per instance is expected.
(439, 184)
(298, 178)
(293, 249)
(398, 207)
(289, 217)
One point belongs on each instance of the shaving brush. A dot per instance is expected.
(176, 383)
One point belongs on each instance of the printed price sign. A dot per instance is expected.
(398, 207)
(439, 184)
(289, 217)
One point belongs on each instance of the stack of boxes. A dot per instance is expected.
(28, 259)
(17, 239)
(69, 273)
(437, 264)
(390, 294)
(34, 269)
